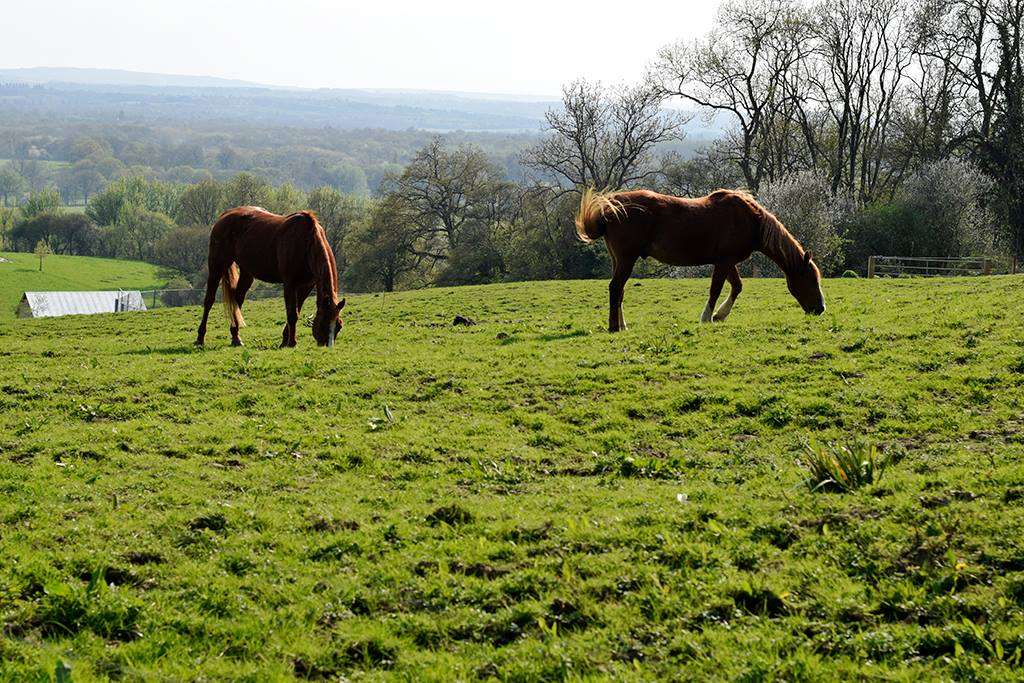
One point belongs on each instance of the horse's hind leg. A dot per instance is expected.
(241, 289)
(616, 289)
(735, 287)
(717, 282)
(212, 282)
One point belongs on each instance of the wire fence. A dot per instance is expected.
(936, 266)
(167, 298)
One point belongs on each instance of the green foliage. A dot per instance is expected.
(136, 192)
(65, 232)
(246, 189)
(850, 273)
(547, 501)
(12, 185)
(137, 232)
(41, 251)
(834, 467)
(40, 202)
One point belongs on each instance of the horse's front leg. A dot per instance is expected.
(735, 287)
(291, 317)
(717, 281)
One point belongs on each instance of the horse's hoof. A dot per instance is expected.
(198, 343)
(237, 342)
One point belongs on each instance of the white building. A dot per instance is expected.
(51, 304)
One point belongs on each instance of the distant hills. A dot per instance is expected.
(42, 74)
(148, 98)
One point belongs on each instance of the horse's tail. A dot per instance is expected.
(595, 208)
(228, 284)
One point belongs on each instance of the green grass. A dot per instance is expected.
(529, 498)
(69, 273)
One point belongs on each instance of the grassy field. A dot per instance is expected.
(529, 498)
(69, 273)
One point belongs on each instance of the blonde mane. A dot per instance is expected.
(777, 242)
(595, 205)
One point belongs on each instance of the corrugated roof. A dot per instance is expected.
(50, 304)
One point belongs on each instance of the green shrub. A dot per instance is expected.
(850, 273)
(834, 467)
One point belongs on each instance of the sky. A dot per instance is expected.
(525, 47)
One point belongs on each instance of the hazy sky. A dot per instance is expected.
(528, 47)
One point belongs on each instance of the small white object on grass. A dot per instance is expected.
(682, 498)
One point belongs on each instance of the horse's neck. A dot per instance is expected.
(779, 247)
(326, 284)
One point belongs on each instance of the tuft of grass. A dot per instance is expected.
(837, 467)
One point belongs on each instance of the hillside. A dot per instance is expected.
(529, 498)
(69, 273)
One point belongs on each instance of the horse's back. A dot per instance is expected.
(687, 231)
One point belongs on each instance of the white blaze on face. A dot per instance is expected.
(330, 332)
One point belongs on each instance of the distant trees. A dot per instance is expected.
(245, 189)
(137, 232)
(12, 185)
(380, 250)
(133, 191)
(63, 232)
(200, 204)
(603, 137)
(183, 250)
(40, 202)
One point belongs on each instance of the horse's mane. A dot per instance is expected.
(323, 263)
(776, 241)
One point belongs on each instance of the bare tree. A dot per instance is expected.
(748, 68)
(864, 51)
(444, 192)
(979, 44)
(604, 137)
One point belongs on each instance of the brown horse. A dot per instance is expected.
(250, 243)
(721, 229)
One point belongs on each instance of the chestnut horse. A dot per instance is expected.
(249, 243)
(721, 229)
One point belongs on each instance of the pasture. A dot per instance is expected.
(529, 498)
(69, 273)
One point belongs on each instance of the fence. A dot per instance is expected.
(938, 266)
(166, 298)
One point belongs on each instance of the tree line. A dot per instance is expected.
(868, 126)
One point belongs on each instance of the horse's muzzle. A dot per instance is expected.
(817, 311)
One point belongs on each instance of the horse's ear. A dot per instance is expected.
(341, 305)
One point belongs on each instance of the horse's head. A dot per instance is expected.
(804, 282)
(327, 322)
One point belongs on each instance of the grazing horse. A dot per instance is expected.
(721, 229)
(249, 243)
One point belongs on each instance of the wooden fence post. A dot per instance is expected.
(988, 266)
(871, 266)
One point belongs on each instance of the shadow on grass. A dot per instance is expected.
(555, 336)
(177, 350)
